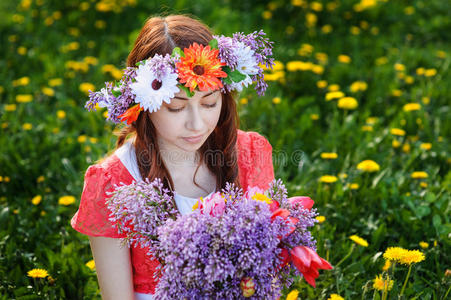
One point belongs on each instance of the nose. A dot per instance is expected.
(194, 120)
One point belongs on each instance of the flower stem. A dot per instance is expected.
(386, 286)
(347, 255)
(405, 281)
(447, 292)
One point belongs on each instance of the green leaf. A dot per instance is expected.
(187, 91)
(213, 44)
(116, 91)
(236, 76)
(178, 51)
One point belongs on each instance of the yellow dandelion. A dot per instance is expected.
(440, 54)
(82, 138)
(328, 179)
(426, 100)
(367, 128)
(316, 6)
(267, 15)
(419, 175)
(321, 84)
(354, 186)
(329, 155)
(55, 82)
(40, 179)
(310, 20)
(426, 146)
(396, 93)
(406, 148)
(412, 257)
(320, 219)
(368, 166)
(48, 91)
(60, 114)
(423, 184)
(85, 87)
(409, 79)
(293, 295)
(381, 284)
(276, 100)
(38, 273)
(244, 101)
(314, 117)
(343, 175)
(344, 59)
(395, 144)
(66, 200)
(411, 107)
(358, 86)
(430, 72)
(21, 81)
(358, 240)
(424, 245)
(27, 126)
(334, 88)
(399, 67)
(334, 95)
(347, 103)
(36, 200)
(10, 107)
(22, 50)
(386, 265)
(326, 29)
(91, 264)
(335, 297)
(394, 253)
(398, 131)
(24, 98)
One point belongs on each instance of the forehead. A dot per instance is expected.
(181, 95)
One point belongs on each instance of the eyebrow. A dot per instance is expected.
(181, 98)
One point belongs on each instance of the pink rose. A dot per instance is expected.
(213, 205)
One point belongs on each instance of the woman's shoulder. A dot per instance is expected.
(108, 168)
(252, 140)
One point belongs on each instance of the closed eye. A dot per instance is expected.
(180, 109)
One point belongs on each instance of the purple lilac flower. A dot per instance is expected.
(206, 257)
(227, 53)
(263, 52)
(139, 209)
(118, 104)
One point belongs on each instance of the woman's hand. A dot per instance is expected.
(113, 266)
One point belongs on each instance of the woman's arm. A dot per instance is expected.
(113, 266)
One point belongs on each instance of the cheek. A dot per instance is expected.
(166, 124)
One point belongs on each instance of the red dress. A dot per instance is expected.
(255, 168)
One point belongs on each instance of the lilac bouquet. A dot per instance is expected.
(233, 245)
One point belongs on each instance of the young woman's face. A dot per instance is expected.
(186, 123)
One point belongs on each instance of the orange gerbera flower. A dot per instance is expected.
(201, 68)
(131, 114)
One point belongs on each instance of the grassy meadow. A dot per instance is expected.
(355, 111)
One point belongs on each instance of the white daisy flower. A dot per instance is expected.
(151, 91)
(106, 102)
(247, 65)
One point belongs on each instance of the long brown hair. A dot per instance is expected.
(160, 35)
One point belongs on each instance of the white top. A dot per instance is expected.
(126, 154)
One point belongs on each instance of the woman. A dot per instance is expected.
(192, 143)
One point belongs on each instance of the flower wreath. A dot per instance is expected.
(226, 64)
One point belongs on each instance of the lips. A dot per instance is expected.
(194, 139)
